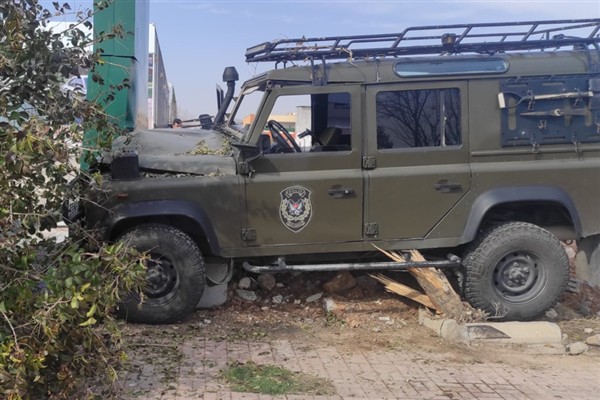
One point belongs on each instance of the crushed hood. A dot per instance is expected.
(192, 151)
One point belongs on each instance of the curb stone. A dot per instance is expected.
(535, 332)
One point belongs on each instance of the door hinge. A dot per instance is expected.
(371, 229)
(369, 162)
(244, 168)
(248, 234)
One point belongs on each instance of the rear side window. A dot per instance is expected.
(450, 67)
(418, 118)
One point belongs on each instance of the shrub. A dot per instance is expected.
(58, 337)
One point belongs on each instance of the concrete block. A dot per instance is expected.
(531, 333)
(213, 296)
(452, 330)
(429, 321)
(587, 260)
(535, 332)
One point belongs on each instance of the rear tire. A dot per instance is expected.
(515, 271)
(175, 276)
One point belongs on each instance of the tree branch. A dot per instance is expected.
(17, 271)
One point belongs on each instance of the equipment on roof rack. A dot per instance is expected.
(483, 38)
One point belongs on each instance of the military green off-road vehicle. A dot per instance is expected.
(477, 144)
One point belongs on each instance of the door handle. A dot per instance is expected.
(445, 186)
(339, 192)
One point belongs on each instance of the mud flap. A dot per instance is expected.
(587, 260)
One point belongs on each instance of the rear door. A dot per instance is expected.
(416, 157)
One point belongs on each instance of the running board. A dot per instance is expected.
(452, 262)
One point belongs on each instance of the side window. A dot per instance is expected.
(316, 122)
(418, 118)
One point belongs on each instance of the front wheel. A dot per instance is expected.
(175, 277)
(515, 271)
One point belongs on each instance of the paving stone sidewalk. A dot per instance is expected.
(361, 375)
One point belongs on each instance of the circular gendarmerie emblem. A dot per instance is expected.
(295, 209)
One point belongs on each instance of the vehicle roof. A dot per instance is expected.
(533, 63)
(527, 47)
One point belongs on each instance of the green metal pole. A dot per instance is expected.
(124, 59)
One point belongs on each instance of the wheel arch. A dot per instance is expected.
(540, 205)
(184, 215)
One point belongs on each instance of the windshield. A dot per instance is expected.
(245, 108)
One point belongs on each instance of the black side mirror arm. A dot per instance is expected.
(249, 153)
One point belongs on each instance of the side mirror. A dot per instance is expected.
(220, 97)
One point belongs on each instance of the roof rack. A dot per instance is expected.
(484, 38)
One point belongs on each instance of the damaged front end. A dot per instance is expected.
(175, 150)
(189, 151)
(154, 165)
(150, 154)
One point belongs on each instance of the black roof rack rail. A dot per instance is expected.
(483, 38)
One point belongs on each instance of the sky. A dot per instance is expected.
(199, 38)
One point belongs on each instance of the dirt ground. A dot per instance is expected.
(366, 317)
(184, 360)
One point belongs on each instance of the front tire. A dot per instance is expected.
(515, 271)
(175, 275)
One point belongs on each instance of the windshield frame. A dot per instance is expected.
(249, 87)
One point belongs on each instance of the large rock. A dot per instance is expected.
(247, 283)
(266, 282)
(342, 282)
(577, 348)
(247, 295)
(314, 297)
(593, 340)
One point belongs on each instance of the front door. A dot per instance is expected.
(314, 195)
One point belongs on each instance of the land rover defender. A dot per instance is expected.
(477, 144)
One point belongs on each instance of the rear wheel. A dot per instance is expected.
(515, 271)
(175, 278)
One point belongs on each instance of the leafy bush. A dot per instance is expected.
(58, 337)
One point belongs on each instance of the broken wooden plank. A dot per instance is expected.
(405, 291)
(439, 292)
(438, 288)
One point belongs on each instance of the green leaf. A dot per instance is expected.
(92, 311)
(88, 322)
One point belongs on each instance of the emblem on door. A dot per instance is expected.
(295, 209)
